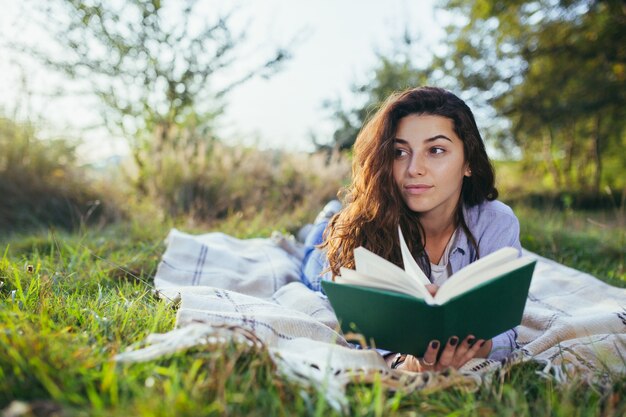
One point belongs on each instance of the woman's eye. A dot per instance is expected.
(437, 150)
(399, 153)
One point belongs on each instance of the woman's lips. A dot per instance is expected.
(417, 189)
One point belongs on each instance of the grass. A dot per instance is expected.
(69, 302)
(592, 241)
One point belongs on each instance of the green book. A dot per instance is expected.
(393, 310)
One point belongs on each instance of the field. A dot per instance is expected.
(70, 300)
(81, 236)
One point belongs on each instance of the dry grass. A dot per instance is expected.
(224, 181)
(41, 185)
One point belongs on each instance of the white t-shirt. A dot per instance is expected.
(441, 272)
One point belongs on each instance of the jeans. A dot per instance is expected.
(314, 262)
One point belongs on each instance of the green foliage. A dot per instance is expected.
(556, 71)
(582, 230)
(70, 302)
(40, 183)
(550, 76)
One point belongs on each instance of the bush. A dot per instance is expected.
(226, 180)
(40, 184)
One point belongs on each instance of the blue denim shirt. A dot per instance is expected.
(492, 223)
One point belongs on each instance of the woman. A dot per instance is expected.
(420, 163)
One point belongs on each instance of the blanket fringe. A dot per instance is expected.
(158, 345)
(552, 371)
(329, 380)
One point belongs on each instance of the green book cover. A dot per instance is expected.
(404, 323)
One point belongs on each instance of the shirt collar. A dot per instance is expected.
(461, 240)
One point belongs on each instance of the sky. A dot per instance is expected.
(335, 44)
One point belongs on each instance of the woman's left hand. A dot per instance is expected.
(454, 355)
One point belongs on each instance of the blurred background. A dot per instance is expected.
(200, 112)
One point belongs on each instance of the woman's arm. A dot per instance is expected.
(503, 344)
(494, 226)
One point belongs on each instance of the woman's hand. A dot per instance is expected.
(454, 355)
(432, 289)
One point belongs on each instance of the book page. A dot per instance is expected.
(368, 264)
(485, 276)
(491, 269)
(488, 262)
(349, 276)
(410, 265)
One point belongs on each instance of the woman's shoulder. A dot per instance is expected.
(489, 211)
(494, 225)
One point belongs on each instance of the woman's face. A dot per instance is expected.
(429, 165)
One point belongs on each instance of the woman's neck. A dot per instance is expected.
(439, 224)
(437, 234)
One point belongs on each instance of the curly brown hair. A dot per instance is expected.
(373, 204)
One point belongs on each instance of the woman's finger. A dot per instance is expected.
(411, 363)
(472, 352)
(432, 289)
(447, 356)
(467, 350)
(430, 356)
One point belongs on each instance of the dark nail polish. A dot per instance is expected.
(454, 340)
(471, 340)
(483, 343)
(434, 344)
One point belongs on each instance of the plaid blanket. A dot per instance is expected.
(249, 290)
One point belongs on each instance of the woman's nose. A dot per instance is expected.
(416, 166)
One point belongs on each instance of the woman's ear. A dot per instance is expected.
(468, 171)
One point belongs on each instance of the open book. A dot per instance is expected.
(392, 307)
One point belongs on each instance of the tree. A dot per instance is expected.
(556, 69)
(152, 64)
(395, 71)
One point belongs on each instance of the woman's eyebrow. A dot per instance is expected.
(431, 139)
(434, 138)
